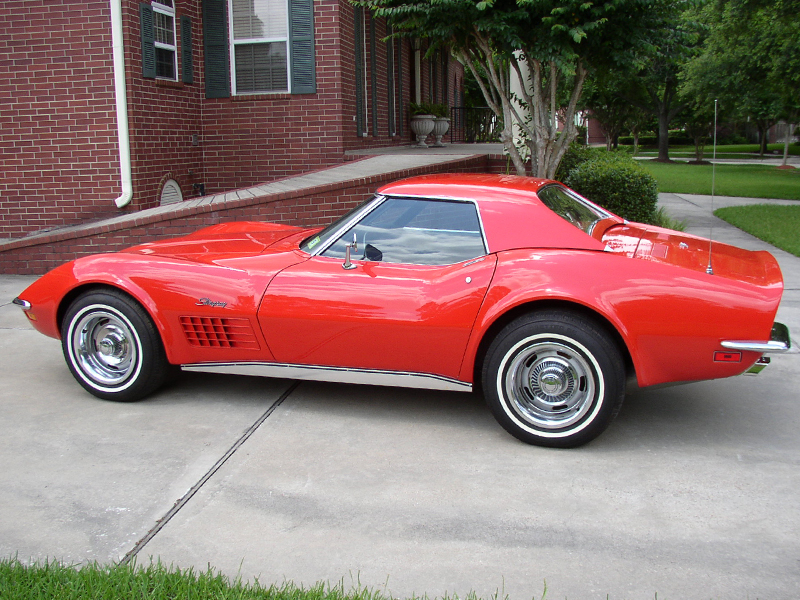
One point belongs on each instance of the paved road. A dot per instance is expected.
(691, 493)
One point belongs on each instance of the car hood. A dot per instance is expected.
(647, 242)
(224, 241)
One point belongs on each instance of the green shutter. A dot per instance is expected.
(187, 62)
(148, 41)
(373, 68)
(390, 85)
(400, 99)
(359, 57)
(215, 48)
(301, 46)
(445, 79)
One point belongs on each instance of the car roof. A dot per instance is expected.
(511, 212)
(466, 185)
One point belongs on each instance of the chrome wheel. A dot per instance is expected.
(549, 384)
(554, 378)
(112, 346)
(105, 346)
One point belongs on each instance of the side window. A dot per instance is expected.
(411, 231)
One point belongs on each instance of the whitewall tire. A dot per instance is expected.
(554, 378)
(112, 347)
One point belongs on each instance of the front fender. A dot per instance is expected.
(168, 289)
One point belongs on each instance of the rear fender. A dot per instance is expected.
(670, 319)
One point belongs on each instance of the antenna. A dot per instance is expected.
(709, 269)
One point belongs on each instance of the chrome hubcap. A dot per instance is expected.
(549, 384)
(104, 347)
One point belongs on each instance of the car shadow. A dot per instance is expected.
(696, 414)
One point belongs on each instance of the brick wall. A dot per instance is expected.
(58, 134)
(308, 207)
(58, 137)
(252, 139)
(163, 115)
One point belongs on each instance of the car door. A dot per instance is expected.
(405, 301)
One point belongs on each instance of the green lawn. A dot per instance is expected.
(751, 181)
(777, 225)
(57, 581)
(727, 151)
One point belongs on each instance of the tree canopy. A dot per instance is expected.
(750, 61)
(548, 45)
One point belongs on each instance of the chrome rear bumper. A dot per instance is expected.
(779, 341)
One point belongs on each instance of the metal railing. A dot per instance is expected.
(470, 125)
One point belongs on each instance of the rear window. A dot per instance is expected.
(571, 208)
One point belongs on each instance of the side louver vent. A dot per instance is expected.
(216, 332)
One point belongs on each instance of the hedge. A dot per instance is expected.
(618, 184)
(652, 140)
(575, 155)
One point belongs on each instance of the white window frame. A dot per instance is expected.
(169, 11)
(260, 40)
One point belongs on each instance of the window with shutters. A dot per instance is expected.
(259, 34)
(258, 47)
(166, 50)
(159, 45)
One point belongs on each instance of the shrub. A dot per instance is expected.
(661, 218)
(618, 184)
(576, 154)
(427, 108)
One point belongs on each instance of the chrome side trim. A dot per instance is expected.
(334, 375)
(780, 341)
(23, 304)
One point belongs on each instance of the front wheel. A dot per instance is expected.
(554, 379)
(112, 347)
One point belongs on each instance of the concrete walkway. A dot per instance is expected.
(691, 493)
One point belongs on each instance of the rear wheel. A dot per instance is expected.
(112, 347)
(554, 379)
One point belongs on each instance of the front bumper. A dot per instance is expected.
(23, 304)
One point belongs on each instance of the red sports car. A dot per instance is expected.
(450, 282)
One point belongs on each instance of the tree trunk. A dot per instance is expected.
(762, 138)
(663, 134)
(789, 129)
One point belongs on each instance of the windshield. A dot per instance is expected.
(318, 239)
(571, 208)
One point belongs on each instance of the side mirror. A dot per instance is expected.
(372, 253)
(348, 248)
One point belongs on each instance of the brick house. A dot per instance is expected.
(110, 106)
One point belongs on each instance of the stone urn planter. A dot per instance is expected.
(440, 127)
(422, 125)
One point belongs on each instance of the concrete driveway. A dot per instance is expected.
(691, 493)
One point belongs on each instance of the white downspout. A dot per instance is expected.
(121, 96)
